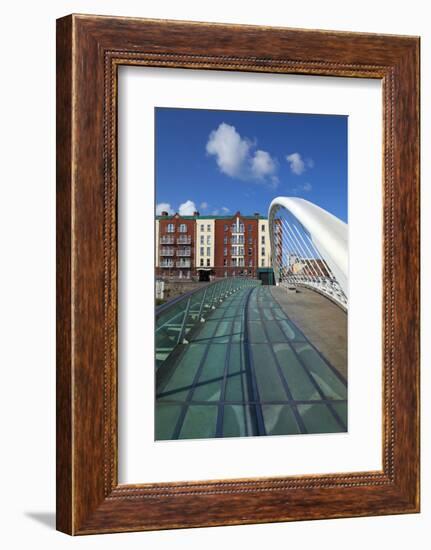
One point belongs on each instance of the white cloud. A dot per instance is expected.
(229, 149)
(222, 210)
(236, 156)
(163, 207)
(187, 208)
(302, 189)
(297, 165)
(203, 206)
(262, 164)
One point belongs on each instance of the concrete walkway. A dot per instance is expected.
(321, 321)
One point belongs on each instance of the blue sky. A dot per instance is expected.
(219, 162)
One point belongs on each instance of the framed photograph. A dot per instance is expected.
(251, 321)
(237, 274)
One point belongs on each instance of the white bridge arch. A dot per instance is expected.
(309, 247)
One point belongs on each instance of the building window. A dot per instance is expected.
(208, 239)
(263, 263)
(208, 262)
(202, 227)
(225, 273)
(171, 228)
(225, 240)
(208, 227)
(202, 251)
(234, 251)
(250, 263)
(225, 252)
(250, 228)
(225, 262)
(183, 228)
(263, 251)
(233, 262)
(202, 262)
(208, 251)
(250, 240)
(263, 239)
(240, 251)
(226, 227)
(241, 228)
(202, 239)
(263, 228)
(250, 252)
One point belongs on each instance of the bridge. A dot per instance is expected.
(236, 358)
(309, 248)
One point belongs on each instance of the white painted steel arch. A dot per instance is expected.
(328, 234)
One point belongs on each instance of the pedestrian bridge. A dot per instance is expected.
(309, 248)
(231, 362)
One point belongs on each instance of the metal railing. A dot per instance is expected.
(215, 272)
(167, 240)
(184, 239)
(237, 239)
(326, 285)
(184, 252)
(176, 318)
(167, 252)
(167, 263)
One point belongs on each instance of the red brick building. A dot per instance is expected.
(175, 246)
(236, 245)
(201, 247)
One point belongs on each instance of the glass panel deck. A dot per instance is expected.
(240, 368)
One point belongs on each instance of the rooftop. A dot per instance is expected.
(198, 216)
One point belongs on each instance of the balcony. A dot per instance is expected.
(237, 229)
(167, 263)
(167, 252)
(184, 252)
(237, 239)
(184, 239)
(184, 264)
(167, 240)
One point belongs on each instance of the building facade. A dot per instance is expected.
(175, 247)
(205, 242)
(204, 247)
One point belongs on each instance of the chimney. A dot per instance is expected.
(257, 214)
(164, 213)
(196, 213)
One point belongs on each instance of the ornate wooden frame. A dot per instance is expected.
(89, 51)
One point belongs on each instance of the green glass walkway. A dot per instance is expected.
(248, 371)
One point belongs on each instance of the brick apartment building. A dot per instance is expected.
(217, 246)
(175, 245)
